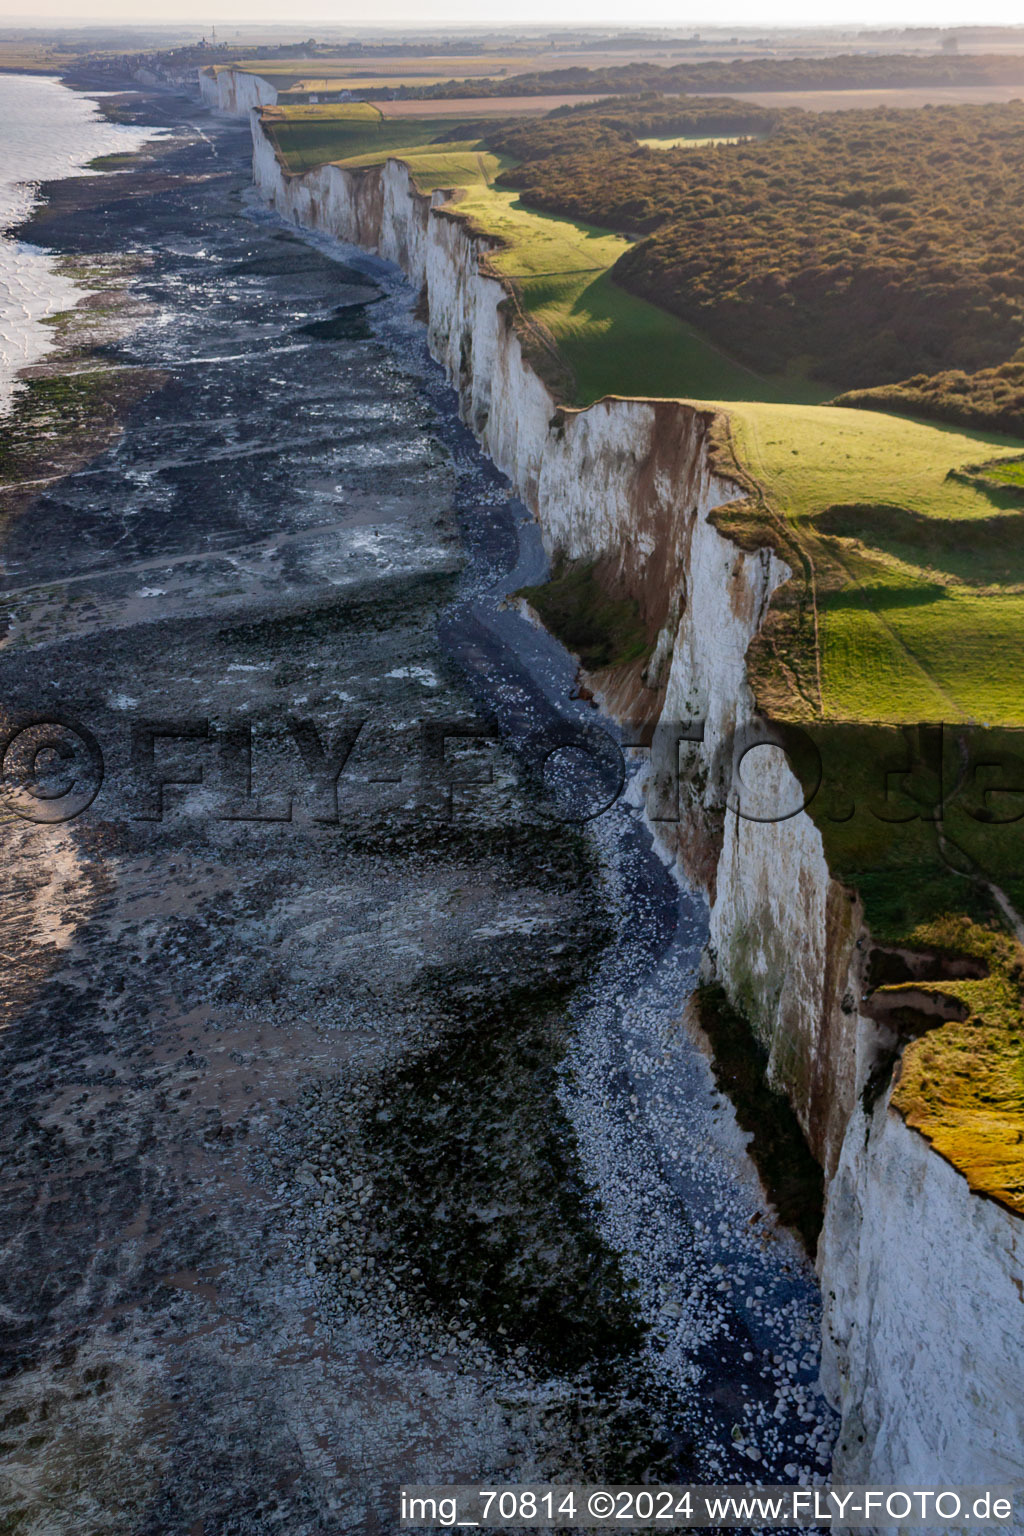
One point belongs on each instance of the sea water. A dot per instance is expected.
(47, 132)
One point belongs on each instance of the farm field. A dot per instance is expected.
(883, 96)
(31, 59)
(359, 82)
(323, 75)
(489, 106)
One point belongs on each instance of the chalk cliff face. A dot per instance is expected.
(631, 483)
(923, 1298)
(232, 90)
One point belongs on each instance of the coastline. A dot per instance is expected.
(178, 582)
(613, 482)
(185, 583)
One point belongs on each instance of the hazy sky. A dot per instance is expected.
(228, 14)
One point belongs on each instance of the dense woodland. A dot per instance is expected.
(991, 400)
(618, 122)
(861, 246)
(849, 71)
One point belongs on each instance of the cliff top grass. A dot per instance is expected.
(913, 569)
(460, 163)
(962, 1085)
(348, 133)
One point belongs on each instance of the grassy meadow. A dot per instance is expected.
(308, 136)
(918, 576)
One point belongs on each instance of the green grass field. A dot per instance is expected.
(685, 142)
(362, 82)
(350, 132)
(588, 315)
(460, 163)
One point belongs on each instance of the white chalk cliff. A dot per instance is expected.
(923, 1280)
(234, 91)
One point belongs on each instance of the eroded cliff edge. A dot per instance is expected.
(923, 1281)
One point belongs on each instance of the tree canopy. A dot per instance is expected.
(863, 246)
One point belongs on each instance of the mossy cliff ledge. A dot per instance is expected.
(630, 487)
